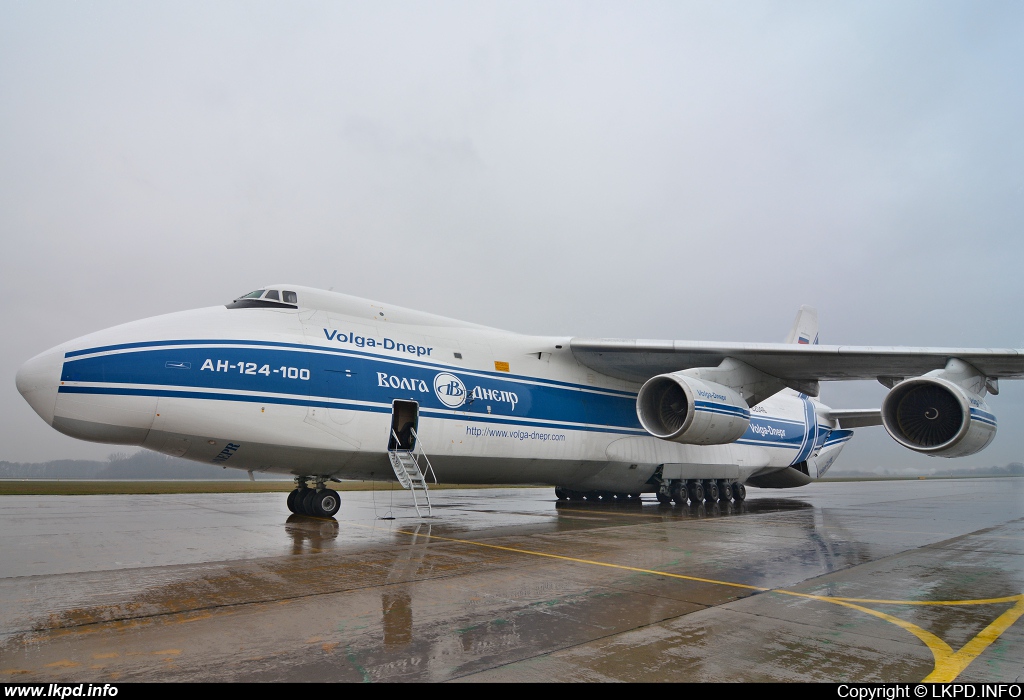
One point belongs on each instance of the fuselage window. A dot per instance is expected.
(272, 294)
(291, 298)
(253, 295)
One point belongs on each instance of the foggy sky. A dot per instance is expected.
(686, 170)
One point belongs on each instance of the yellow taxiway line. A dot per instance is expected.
(948, 663)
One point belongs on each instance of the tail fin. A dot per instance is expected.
(805, 327)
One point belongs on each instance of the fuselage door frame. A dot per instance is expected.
(405, 417)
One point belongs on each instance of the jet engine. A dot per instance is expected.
(935, 416)
(684, 409)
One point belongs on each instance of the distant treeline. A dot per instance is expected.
(141, 465)
(1011, 469)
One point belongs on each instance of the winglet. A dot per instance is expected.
(805, 327)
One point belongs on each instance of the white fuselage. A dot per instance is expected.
(309, 391)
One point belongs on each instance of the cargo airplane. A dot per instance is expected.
(327, 387)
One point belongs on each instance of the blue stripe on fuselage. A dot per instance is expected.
(837, 437)
(810, 424)
(353, 378)
(338, 378)
(299, 401)
(318, 349)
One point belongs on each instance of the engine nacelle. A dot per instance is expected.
(937, 417)
(682, 408)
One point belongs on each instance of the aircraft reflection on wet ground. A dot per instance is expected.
(311, 534)
(511, 585)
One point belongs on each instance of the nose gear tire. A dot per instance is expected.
(325, 503)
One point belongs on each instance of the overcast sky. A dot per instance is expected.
(688, 170)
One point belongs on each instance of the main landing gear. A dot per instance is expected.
(694, 491)
(604, 496)
(318, 501)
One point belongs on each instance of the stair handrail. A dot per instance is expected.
(430, 467)
(398, 442)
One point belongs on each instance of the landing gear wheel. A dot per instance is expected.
(634, 496)
(622, 497)
(575, 496)
(560, 493)
(678, 492)
(295, 500)
(710, 490)
(291, 501)
(724, 490)
(325, 503)
(664, 499)
(696, 492)
(739, 492)
(307, 501)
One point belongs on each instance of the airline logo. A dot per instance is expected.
(767, 431)
(388, 380)
(496, 395)
(449, 389)
(226, 453)
(387, 343)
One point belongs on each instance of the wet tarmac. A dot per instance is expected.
(866, 581)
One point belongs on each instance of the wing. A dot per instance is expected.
(639, 360)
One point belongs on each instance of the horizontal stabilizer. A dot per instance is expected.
(856, 417)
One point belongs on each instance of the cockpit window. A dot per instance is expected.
(266, 299)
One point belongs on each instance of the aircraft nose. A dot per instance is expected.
(37, 381)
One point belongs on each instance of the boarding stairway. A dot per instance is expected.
(411, 475)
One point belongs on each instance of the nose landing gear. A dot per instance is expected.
(319, 501)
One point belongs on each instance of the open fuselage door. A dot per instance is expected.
(405, 419)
